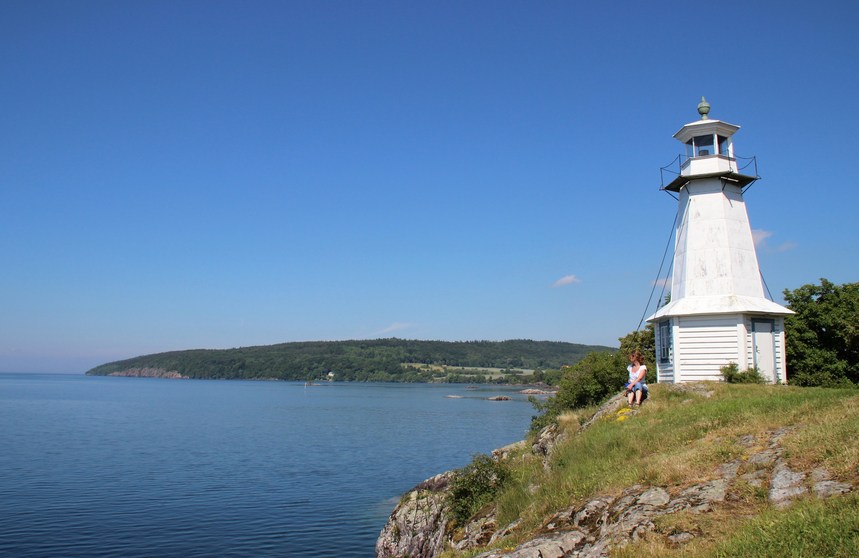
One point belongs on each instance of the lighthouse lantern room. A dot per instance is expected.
(718, 313)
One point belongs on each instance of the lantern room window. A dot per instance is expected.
(700, 146)
(723, 146)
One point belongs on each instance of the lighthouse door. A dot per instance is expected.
(763, 345)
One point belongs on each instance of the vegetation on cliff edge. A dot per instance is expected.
(681, 437)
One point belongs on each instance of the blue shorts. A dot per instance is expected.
(638, 386)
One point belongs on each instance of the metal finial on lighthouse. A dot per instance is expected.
(703, 108)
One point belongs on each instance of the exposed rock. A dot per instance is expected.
(417, 527)
(824, 487)
(501, 454)
(557, 545)
(729, 470)
(827, 488)
(499, 398)
(610, 406)
(764, 458)
(654, 497)
(819, 474)
(532, 391)
(593, 514)
(775, 439)
(785, 485)
(700, 496)
(506, 531)
(681, 538)
(149, 373)
(478, 532)
(747, 441)
(698, 388)
(755, 478)
(546, 440)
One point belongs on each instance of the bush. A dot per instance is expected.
(731, 373)
(590, 382)
(475, 485)
(822, 338)
(595, 378)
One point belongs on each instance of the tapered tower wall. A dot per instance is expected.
(715, 251)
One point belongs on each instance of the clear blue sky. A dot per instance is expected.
(219, 174)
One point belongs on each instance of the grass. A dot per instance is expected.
(679, 438)
(810, 528)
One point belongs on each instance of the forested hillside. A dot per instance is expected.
(370, 360)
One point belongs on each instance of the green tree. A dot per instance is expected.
(822, 338)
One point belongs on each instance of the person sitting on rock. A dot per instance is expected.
(636, 388)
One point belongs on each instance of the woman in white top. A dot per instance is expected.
(637, 371)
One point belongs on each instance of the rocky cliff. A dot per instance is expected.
(420, 526)
(149, 373)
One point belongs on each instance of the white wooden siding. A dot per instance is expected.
(705, 344)
(749, 342)
(665, 373)
(780, 350)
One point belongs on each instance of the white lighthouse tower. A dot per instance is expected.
(718, 313)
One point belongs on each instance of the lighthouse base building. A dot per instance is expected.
(695, 347)
(718, 313)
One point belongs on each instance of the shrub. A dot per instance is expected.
(732, 374)
(590, 382)
(475, 485)
(596, 377)
(822, 338)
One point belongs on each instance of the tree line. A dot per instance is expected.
(367, 360)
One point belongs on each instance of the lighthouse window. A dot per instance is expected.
(703, 145)
(723, 145)
(664, 348)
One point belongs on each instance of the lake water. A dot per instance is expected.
(98, 466)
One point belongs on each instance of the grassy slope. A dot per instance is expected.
(679, 439)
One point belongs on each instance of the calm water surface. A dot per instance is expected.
(96, 466)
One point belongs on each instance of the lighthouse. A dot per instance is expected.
(717, 313)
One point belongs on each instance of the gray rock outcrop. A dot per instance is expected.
(149, 373)
(419, 527)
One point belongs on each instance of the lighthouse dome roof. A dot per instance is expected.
(702, 127)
